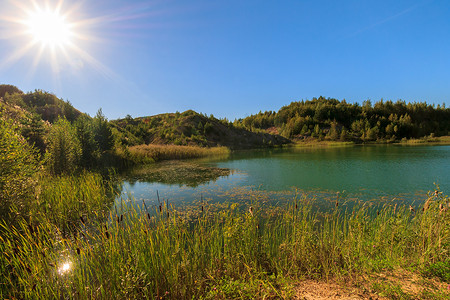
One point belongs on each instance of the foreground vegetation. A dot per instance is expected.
(222, 250)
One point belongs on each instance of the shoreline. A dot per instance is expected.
(442, 140)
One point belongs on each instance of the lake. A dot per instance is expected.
(360, 172)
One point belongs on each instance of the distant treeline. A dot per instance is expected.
(338, 120)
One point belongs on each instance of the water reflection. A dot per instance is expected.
(176, 173)
(366, 173)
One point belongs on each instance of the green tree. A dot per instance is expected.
(333, 134)
(89, 147)
(64, 149)
(8, 89)
(19, 167)
(344, 135)
(102, 133)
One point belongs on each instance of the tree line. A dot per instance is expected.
(328, 118)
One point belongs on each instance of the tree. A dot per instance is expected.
(89, 148)
(102, 132)
(64, 149)
(8, 89)
(19, 168)
(333, 133)
(344, 134)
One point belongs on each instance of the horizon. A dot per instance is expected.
(434, 105)
(229, 59)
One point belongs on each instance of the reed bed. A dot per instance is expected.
(63, 199)
(240, 251)
(148, 153)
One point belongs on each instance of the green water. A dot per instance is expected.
(359, 172)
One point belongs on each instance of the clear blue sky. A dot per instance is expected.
(233, 58)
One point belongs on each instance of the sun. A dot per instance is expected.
(59, 36)
(48, 28)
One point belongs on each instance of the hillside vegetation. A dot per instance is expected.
(331, 119)
(69, 141)
(194, 129)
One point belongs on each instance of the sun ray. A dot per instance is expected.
(35, 63)
(16, 56)
(104, 70)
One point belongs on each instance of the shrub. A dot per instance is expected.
(18, 169)
(64, 149)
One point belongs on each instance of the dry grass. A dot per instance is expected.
(167, 152)
(441, 140)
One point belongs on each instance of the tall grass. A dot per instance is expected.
(241, 251)
(64, 199)
(165, 152)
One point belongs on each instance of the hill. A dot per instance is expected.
(191, 128)
(34, 112)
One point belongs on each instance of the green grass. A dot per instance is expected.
(242, 251)
(64, 199)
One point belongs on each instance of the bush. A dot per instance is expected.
(18, 170)
(64, 149)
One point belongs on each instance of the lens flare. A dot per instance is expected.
(65, 267)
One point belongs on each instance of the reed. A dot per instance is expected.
(238, 251)
(64, 199)
(143, 153)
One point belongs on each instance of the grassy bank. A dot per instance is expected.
(227, 251)
(441, 140)
(314, 142)
(153, 153)
(321, 143)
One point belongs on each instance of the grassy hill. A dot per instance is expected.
(193, 129)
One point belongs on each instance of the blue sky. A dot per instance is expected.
(233, 58)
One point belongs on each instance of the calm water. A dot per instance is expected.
(362, 172)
